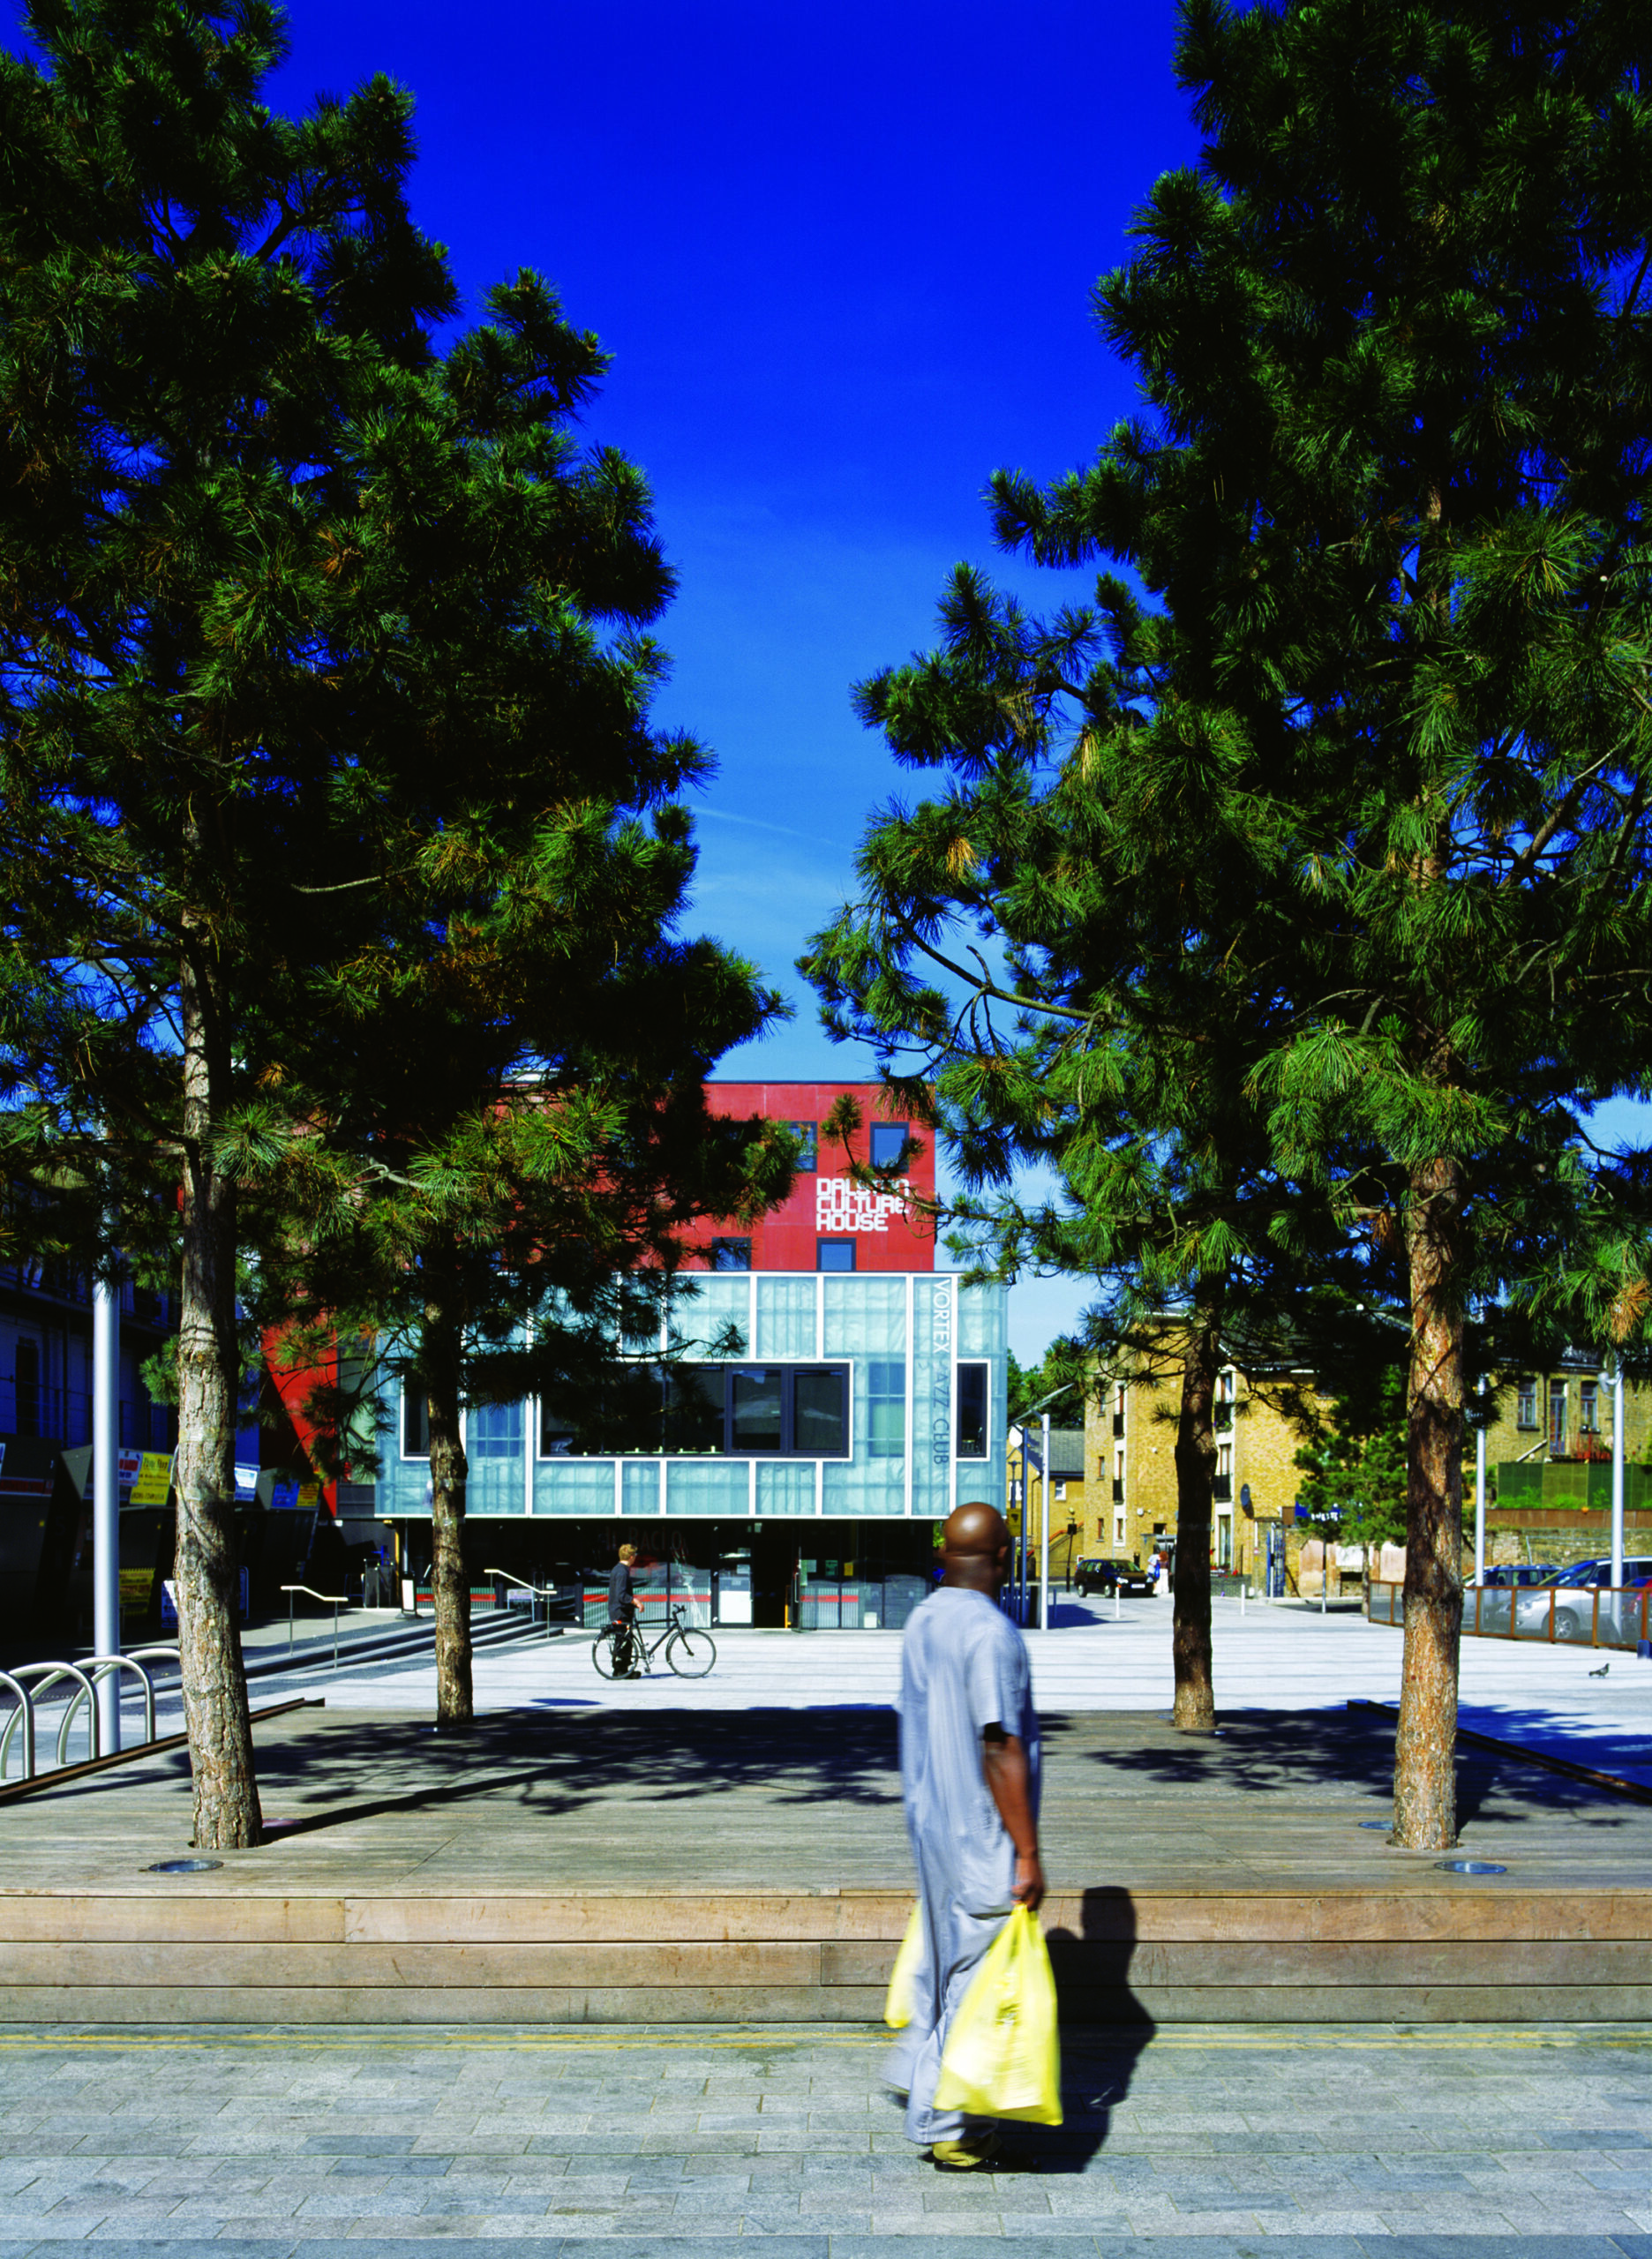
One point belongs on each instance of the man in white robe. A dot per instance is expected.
(970, 1779)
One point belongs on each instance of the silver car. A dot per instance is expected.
(1571, 1595)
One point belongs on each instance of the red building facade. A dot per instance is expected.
(829, 1222)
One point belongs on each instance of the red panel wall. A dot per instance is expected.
(823, 1204)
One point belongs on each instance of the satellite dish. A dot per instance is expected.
(1244, 1496)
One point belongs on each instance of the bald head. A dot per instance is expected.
(975, 1548)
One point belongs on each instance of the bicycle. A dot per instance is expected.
(690, 1653)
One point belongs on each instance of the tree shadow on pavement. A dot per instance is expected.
(1314, 1753)
(366, 1768)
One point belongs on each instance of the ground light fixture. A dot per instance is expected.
(183, 1867)
(1469, 1866)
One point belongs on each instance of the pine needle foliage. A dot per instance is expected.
(196, 297)
(1383, 655)
(325, 760)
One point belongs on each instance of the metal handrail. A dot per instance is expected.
(338, 1599)
(53, 1672)
(546, 1593)
(25, 1711)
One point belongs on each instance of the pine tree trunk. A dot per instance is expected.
(1425, 1781)
(450, 1580)
(1195, 1710)
(226, 1816)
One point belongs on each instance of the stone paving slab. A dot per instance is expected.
(1194, 2142)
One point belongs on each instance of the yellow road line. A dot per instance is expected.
(414, 2035)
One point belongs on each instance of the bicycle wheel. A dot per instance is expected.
(691, 1654)
(603, 1654)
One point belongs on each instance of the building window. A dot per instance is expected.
(886, 1407)
(1526, 1403)
(1060, 1489)
(493, 1431)
(808, 1142)
(834, 1255)
(1118, 1476)
(972, 1410)
(889, 1143)
(693, 1402)
(1589, 1407)
(25, 1368)
(731, 1254)
(1118, 1531)
(1224, 1542)
(1224, 1409)
(820, 1411)
(754, 1419)
(689, 1410)
(415, 1423)
(1223, 1486)
(1118, 1408)
(1556, 1418)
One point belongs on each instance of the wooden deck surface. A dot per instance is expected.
(806, 1801)
(580, 1866)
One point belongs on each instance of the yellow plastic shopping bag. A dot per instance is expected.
(898, 2007)
(1003, 2055)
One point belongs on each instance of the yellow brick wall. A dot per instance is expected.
(1508, 1438)
(1078, 1505)
(1263, 1445)
(1261, 1442)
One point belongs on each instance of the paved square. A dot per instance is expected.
(1200, 2143)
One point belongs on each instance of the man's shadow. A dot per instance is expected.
(1105, 2030)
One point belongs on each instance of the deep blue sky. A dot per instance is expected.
(843, 259)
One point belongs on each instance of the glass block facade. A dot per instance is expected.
(873, 1396)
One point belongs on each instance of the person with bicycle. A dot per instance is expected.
(622, 1610)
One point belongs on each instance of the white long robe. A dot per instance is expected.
(964, 1668)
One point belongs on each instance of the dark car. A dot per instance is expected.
(1097, 1574)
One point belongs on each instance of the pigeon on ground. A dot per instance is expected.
(1601, 1672)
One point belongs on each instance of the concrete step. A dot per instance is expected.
(403, 1641)
(207, 1949)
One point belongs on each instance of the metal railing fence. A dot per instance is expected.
(1581, 1616)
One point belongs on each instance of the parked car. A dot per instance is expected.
(1098, 1574)
(1519, 1572)
(1575, 1590)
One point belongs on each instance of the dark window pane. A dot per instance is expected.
(693, 1407)
(834, 1255)
(591, 1418)
(888, 1142)
(820, 1411)
(808, 1142)
(972, 1411)
(415, 1424)
(756, 1400)
(26, 1366)
(731, 1254)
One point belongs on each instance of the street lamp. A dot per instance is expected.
(1065, 1389)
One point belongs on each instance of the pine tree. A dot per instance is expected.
(1080, 947)
(1393, 338)
(505, 1127)
(195, 295)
